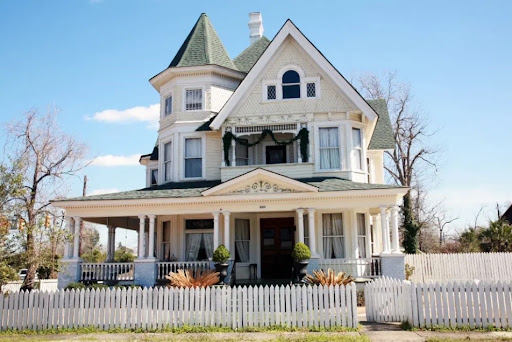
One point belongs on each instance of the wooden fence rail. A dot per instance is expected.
(474, 304)
(462, 266)
(153, 308)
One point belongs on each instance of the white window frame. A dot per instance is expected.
(340, 147)
(184, 96)
(164, 174)
(355, 149)
(165, 104)
(203, 153)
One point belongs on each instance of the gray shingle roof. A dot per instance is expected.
(202, 47)
(247, 58)
(194, 189)
(382, 138)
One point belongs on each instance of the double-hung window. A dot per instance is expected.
(194, 99)
(168, 105)
(154, 177)
(242, 153)
(329, 148)
(242, 240)
(198, 240)
(361, 235)
(358, 149)
(333, 236)
(167, 161)
(193, 158)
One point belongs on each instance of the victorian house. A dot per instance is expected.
(257, 153)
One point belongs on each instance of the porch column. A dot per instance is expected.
(215, 230)
(151, 246)
(76, 242)
(227, 214)
(67, 246)
(385, 230)
(394, 230)
(376, 236)
(111, 240)
(142, 223)
(233, 152)
(312, 231)
(300, 224)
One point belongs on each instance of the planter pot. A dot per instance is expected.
(223, 271)
(301, 269)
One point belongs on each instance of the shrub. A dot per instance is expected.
(221, 254)
(97, 286)
(301, 252)
(191, 278)
(321, 278)
(76, 286)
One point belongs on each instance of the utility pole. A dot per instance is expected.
(84, 193)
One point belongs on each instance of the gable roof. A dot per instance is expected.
(202, 47)
(382, 137)
(247, 58)
(289, 29)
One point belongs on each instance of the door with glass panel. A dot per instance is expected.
(277, 240)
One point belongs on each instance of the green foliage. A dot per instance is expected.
(95, 256)
(408, 271)
(76, 286)
(411, 227)
(124, 254)
(301, 252)
(221, 254)
(303, 136)
(497, 238)
(7, 274)
(470, 241)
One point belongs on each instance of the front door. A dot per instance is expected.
(277, 240)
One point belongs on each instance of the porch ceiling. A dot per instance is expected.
(128, 222)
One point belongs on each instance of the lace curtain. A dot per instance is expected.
(242, 237)
(333, 236)
(329, 148)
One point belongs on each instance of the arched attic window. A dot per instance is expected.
(291, 85)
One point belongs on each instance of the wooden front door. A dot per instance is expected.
(277, 241)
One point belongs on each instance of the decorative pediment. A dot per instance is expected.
(259, 181)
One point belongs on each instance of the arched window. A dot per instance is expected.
(291, 85)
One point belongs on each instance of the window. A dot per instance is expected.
(167, 161)
(357, 145)
(311, 90)
(361, 235)
(194, 99)
(166, 241)
(306, 230)
(329, 148)
(242, 240)
(193, 158)
(333, 236)
(198, 246)
(168, 105)
(291, 85)
(154, 177)
(242, 153)
(271, 92)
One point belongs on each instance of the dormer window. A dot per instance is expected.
(168, 105)
(194, 99)
(291, 85)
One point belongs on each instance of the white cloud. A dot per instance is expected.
(149, 115)
(102, 191)
(111, 160)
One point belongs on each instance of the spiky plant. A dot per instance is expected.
(192, 278)
(330, 278)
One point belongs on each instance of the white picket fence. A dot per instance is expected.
(475, 304)
(44, 285)
(156, 308)
(462, 266)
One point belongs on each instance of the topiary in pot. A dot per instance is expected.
(221, 256)
(301, 254)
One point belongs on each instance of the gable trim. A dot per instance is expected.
(289, 29)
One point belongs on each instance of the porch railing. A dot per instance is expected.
(107, 271)
(164, 268)
(359, 268)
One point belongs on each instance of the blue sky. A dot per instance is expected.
(90, 56)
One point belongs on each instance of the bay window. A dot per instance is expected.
(329, 148)
(167, 161)
(357, 149)
(194, 99)
(333, 236)
(193, 158)
(168, 105)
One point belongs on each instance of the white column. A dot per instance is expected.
(385, 230)
(394, 230)
(151, 246)
(312, 231)
(376, 235)
(67, 246)
(76, 239)
(233, 152)
(110, 243)
(215, 230)
(227, 242)
(300, 224)
(142, 223)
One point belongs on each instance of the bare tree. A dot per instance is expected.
(46, 156)
(413, 160)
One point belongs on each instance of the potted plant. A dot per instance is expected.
(221, 257)
(300, 254)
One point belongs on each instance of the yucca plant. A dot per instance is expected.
(330, 278)
(192, 278)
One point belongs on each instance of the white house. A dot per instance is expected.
(256, 153)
